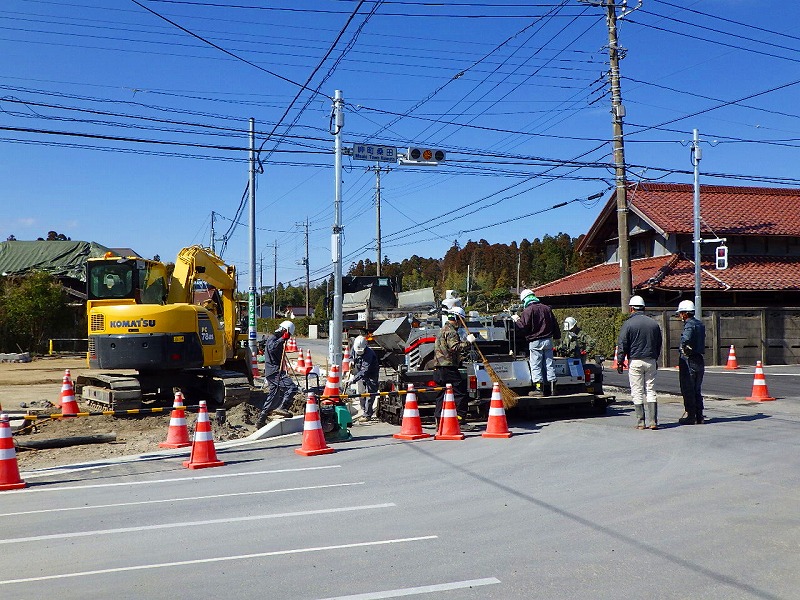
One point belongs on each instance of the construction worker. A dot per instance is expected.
(282, 389)
(574, 343)
(640, 341)
(366, 368)
(691, 364)
(449, 352)
(538, 325)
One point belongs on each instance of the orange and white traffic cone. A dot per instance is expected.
(309, 363)
(254, 365)
(497, 425)
(203, 452)
(411, 428)
(300, 363)
(346, 360)
(760, 392)
(178, 432)
(9, 469)
(291, 345)
(732, 364)
(331, 391)
(69, 405)
(449, 429)
(313, 436)
(615, 362)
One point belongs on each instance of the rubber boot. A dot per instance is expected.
(639, 408)
(652, 415)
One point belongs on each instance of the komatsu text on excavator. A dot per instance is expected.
(165, 332)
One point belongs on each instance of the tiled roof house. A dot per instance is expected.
(762, 231)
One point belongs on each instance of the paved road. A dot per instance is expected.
(783, 381)
(572, 508)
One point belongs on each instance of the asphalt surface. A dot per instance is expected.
(566, 508)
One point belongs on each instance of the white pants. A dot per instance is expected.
(642, 377)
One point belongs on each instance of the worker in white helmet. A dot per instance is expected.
(449, 351)
(282, 389)
(366, 368)
(640, 341)
(691, 364)
(574, 342)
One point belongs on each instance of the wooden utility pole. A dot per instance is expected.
(617, 114)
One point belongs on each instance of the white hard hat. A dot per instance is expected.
(685, 306)
(359, 345)
(570, 323)
(525, 293)
(450, 303)
(636, 302)
(457, 311)
(288, 326)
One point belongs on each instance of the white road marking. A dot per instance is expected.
(423, 589)
(217, 559)
(301, 513)
(192, 478)
(231, 495)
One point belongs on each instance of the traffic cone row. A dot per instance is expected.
(67, 400)
(203, 452)
(178, 432)
(732, 364)
(313, 436)
(411, 428)
(291, 345)
(309, 363)
(9, 469)
(760, 392)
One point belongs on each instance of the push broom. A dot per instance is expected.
(510, 399)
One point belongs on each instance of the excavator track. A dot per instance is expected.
(221, 388)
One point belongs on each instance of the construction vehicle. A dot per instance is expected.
(367, 301)
(409, 351)
(181, 331)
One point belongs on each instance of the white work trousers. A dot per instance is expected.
(541, 350)
(642, 377)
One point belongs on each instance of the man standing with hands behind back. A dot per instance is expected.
(640, 341)
(691, 365)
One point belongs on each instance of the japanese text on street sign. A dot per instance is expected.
(373, 152)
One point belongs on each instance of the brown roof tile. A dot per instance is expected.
(676, 272)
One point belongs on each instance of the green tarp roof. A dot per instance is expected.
(59, 258)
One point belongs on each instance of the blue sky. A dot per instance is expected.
(515, 93)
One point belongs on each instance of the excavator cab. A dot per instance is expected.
(136, 280)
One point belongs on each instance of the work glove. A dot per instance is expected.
(515, 318)
(471, 338)
(285, 335)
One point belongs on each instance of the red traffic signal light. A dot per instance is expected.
(721, 257)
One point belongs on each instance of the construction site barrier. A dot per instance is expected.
(84, 346)
(112, 413)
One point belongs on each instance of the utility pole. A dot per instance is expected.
(308, 275)
(617, 114)
(251, 292)
(275, 281)
(336, 324)
(615, 54)
(261, 285)
(697, 154)
(212, 232)
(378, 170)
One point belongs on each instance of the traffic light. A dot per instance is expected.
(424, 156)
(722, 257)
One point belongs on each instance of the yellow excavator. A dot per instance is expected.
(156, 333)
